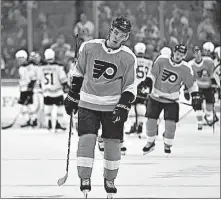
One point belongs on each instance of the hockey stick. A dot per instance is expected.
(17, 116)
(62, 180)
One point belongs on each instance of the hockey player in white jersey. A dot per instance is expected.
(203, 68)
(136, 118)
(54, 84)
(27, 79)
(208, 48)
(34, 61)
(103, 88)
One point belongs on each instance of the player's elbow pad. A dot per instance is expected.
(76, 84)
(127, 98)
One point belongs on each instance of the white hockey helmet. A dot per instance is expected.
(21, 54)
(140, 48)
(208, 46)
(217, 51)
(49, 54)
(166, 51)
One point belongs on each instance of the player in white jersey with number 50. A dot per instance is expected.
(137, 118)
(54, 84)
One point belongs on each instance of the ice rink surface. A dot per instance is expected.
(33, 161)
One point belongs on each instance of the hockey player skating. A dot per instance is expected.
(203, 68)
(27, 79)
(167, 75)
(136, 118)
(103, 88)
(54, 84)
(217, 70)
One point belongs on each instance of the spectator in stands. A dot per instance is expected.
(186, 32)
(2, 63)
(105, 15)
(174, 22)
(8, 53)
(84, 28)
(205, 30)
(60, 48)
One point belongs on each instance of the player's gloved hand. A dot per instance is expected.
(65, 87)
(120, 113)
(71, 102)
(196, 100)
(186, 95)
(122, 109)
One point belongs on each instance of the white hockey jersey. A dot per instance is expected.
(107, 74)
(27, 74)
(143, 67)
(52, 78)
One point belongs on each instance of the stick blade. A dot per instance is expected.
(62, 180)
(6, 126)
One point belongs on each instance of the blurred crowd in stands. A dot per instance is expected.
(55, 25)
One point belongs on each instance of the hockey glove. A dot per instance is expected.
(73, 97)
(65, 87)
(122, 109)
(31, 86)
(196, 100)
(186, 93)
(71, 102)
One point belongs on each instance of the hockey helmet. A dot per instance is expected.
(49, 54)
(21, 54)
(181, 48)
(122, 24)
(166, 51)
(140, 48)
(208, 46)
(196, 48)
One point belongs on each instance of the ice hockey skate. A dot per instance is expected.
(167, 149)
(34, 123)
(132, 129)
(85, 186)
(200, 126)
(59, 127)
(123, 149)
(110, 188)
(149, 147)
(27, 124)
(101, 146)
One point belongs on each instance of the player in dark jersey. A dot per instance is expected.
(103, 88)
(167, 76)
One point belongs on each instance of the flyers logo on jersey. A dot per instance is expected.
(202, 73)
(169, 76)
(105, 69)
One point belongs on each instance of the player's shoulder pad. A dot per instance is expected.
(187, 67)
(129, 51)
(94, 41)
(161, 57)
(208, 59)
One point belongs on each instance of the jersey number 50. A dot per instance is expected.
(142, 71)
(49, 78)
